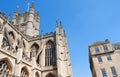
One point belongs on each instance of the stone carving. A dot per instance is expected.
(20, 43)
(7, 41)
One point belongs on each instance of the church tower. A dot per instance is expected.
(27, 22)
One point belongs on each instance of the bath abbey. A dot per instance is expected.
(25, 53)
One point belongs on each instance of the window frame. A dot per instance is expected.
(50, 54)
(97, 50)
(113, 70)
(104, 73)
(108, 57)
(105, 47)
(99, 59)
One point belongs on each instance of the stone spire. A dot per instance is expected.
(64, 33)
(15, 16)
(16, 11)
(57, 28)
(60, 25)
(61, 29)
(56, 24)
(31, 10)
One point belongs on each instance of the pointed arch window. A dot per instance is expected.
(24, 72)
(50, 54)
(5, 67)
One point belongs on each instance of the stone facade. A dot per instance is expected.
(104, 59)
(25, 53)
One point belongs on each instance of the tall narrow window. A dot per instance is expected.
(109, 58)
(105, 47)
(96, 49)
(50, 54)
(113, 70)
(104, 74)
(99, 59)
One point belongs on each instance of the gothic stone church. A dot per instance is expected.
(25, 53)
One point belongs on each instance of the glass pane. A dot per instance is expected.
(109, 57)
(105, 47)
(96, 49)
(113, 71)
(103, 72)
(99, 59)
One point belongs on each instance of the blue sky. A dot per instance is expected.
(85, 22)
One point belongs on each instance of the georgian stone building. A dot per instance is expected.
(25, 53)
(104, 59)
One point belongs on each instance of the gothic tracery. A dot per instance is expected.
(24, 72)
(5, 67)
(50, 54)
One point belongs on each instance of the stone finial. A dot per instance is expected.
(38, 16)
(31, 9)
(61, 29)
(60, 25)
(32, 6)
(16, 12)
(57, 29)
(64, 33)
(56, 23)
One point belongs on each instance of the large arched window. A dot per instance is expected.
(50, 54)
(50, 75)
(24, 72)
(5, 67)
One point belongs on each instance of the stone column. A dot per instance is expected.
(18, 63)
(1, 38)
(19, 54)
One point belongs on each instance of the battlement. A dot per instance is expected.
(43, 36)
